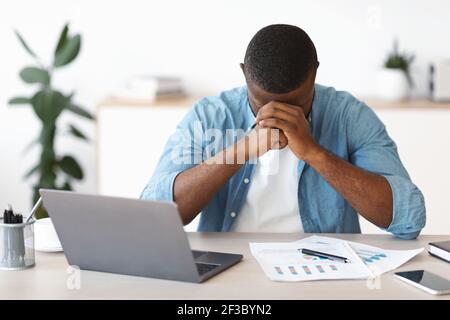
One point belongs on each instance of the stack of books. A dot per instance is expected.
(150, 88)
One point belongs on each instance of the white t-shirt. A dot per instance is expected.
(272, 200)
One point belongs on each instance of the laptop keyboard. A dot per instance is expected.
(205, 267)
(197, 254)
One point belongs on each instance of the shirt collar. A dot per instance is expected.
(251, 117)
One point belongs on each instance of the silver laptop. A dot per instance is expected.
(129, 236)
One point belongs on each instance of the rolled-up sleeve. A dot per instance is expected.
(160, 186)
(183, 150)
(372, 149)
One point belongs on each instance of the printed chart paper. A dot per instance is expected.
(376, 259)
(285, 262)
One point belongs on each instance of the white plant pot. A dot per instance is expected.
(392, 84)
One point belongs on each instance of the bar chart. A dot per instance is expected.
(305, 270)
(370, 256)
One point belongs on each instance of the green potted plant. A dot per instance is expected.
(394, 79)
(52, 170)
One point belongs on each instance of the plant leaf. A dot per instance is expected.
(32, 171)
(47, 161)
(80, 111)
(48, 104)
(19, 100)
(24, 44)
(29, 146)
(62, 39)
(68, 52)
(71, 167)
(47, 136)
(77, 133)
(35, 75)
(67, 186)
(48, 180)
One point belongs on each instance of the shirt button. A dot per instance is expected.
(246, 180)
(233, 214)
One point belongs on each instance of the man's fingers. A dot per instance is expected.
(293, 110)
(276, 123)
(275, 113)
(282, 140)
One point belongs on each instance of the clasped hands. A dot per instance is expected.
(293, 131)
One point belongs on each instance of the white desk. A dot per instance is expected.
(47, 280)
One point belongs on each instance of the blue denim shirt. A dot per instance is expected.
(338, 122)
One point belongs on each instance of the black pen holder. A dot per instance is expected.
(16, 245)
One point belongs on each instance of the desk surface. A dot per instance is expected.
(49, 278)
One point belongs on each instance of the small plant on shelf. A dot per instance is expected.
(401, 61)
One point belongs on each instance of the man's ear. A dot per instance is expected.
(242, 67)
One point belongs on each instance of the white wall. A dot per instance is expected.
(202, 41)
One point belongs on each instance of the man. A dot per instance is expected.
(321, 155)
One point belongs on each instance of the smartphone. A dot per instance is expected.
(426, 281)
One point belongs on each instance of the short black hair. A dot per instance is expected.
(279, 58)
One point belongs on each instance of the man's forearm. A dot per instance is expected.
(195, 187)
(368, 193)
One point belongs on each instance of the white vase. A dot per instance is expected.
(392, 84)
